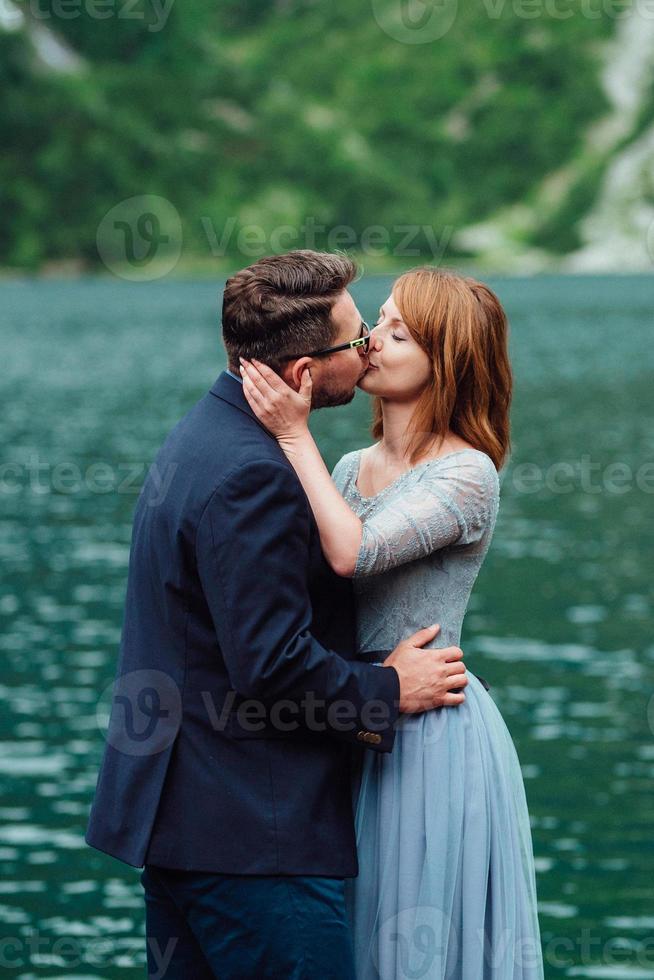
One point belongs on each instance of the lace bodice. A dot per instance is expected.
(424, 540)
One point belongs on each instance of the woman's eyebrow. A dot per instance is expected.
(394, 319)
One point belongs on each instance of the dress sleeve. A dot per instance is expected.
(448, 503)
(342, 471)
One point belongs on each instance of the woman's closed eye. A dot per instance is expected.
(380, 320)
(379, 323)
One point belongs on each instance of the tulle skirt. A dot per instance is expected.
(446, 884)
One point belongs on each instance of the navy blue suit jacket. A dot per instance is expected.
(238, 703)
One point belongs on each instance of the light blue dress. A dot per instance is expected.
(446, 884)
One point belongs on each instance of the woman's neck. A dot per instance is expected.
(397, 435)
(396, 439)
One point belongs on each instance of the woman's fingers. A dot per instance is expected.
(283, 410)
(270, 376)
(266, 397)
(254, 375)
(255, 398)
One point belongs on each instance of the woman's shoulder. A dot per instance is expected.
(467, 475)
(346, 468)
(467, 461)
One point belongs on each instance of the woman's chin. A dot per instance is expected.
(367, 382)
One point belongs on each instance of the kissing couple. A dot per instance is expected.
(314, 785)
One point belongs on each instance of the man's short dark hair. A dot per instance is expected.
(282, 304)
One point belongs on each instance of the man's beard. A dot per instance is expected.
(331, 398)
(330, 394)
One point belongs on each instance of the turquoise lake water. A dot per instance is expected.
(95, 373)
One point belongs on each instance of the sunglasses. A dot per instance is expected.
(362, 342)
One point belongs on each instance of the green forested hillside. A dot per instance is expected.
(272, 112)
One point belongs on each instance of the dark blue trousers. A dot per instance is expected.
(202, 926)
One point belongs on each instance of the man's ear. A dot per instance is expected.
(295, 371)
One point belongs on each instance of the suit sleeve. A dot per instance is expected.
(253, 556)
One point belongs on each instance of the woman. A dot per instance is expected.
(446, 887)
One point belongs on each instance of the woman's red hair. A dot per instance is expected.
(460, 324)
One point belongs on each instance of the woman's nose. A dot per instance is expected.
(375, 340)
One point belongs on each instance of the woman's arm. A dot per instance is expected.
(285, 414)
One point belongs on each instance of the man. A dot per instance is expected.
(238, 699)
